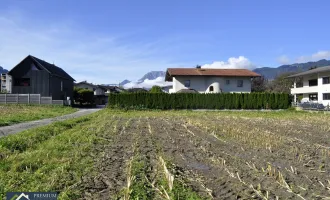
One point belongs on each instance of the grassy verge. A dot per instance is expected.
(12, 114)
(50, 158)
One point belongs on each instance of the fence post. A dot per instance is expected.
(29, 98)
(39, 98)
(5, 98)
(17, 98)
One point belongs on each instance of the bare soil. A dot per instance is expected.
(215, 156)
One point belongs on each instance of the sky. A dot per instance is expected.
(108, 41)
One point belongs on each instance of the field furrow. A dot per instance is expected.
(173, 155)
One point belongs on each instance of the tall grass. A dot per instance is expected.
(50, 158)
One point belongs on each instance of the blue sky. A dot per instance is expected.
(108, 41)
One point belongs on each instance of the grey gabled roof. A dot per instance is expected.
(312, 71)
(53, 69)
(86, 83)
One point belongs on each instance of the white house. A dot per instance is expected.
(5, 83)
(205, 80)
(315, 85)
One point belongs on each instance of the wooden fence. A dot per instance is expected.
(28, 99)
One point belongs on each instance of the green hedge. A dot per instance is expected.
(200, 101)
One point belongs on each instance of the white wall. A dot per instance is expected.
(196, 82)
(202, 83)
(9, 83)
(323, 88)
(6, 83)
(319, 89)
(99, 91)
(232, 87)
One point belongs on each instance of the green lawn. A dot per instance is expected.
(12, 114)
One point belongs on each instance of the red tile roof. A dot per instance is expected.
(171, 72)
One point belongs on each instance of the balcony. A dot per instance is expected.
(304, 90)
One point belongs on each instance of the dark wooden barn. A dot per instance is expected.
(35, 76)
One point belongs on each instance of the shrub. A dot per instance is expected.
(200, 101)
(156, 89)
(83, 96)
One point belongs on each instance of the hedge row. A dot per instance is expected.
(200, 101)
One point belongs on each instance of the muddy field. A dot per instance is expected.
(215, 155)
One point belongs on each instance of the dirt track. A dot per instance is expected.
(7, 130)
(216, 157)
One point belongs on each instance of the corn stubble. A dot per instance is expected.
(175, 155)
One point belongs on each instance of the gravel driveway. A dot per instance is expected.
(7, 130)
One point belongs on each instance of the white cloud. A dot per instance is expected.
(83, 54)
(160, 81)
(233, 63)
(283, 59)
(314, 57)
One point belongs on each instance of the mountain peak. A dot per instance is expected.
(152, 75)
(124, 82)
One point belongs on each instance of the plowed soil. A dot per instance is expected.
(211, 156)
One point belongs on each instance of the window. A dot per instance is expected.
(326, 80)
(313, 97)
(239, 83)
(312, 82)
(326, 96)
(211, 89)
(22, 82)
(227, 82)
(187, 83)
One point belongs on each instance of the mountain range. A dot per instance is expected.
(150, 76)
(2, 70)
(268, 72)
(271, 73)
